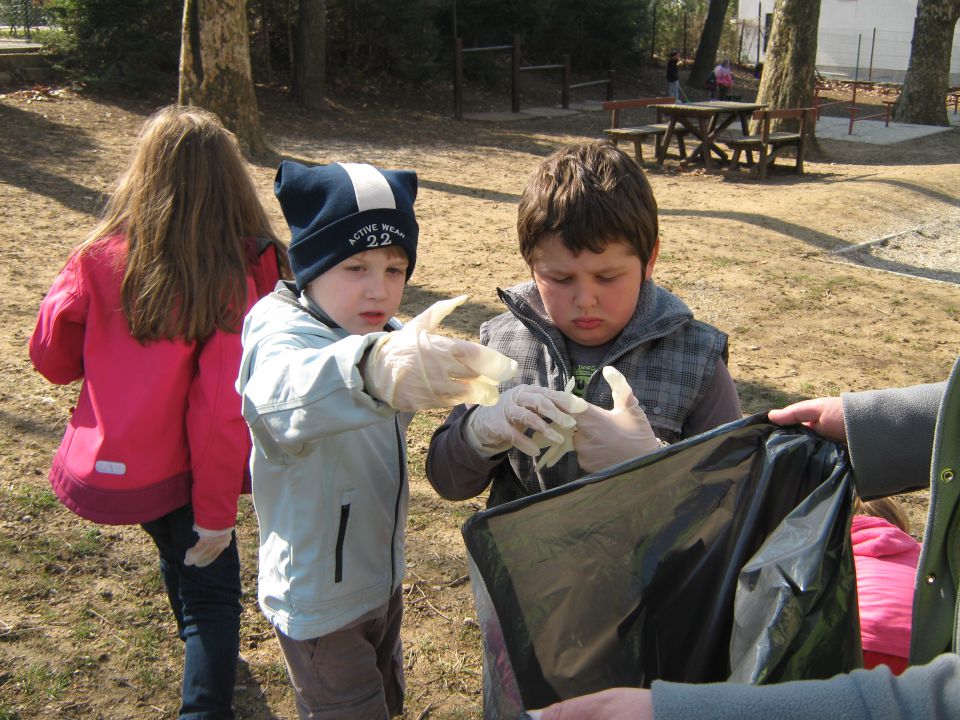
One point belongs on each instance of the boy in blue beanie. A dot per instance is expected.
(329, 379)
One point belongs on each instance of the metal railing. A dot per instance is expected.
(19, 18)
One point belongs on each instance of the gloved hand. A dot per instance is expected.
(556, 449)
(495, 429)
(208, 547)
(608, 437)
(414, 369)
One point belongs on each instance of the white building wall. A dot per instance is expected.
(882, 28)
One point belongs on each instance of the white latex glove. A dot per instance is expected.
(495, 429)
(414, 369)
(609, 437)
(208, 547)
(556, 449)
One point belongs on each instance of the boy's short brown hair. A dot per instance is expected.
(589, 195)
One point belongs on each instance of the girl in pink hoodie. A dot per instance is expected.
(886, 557)
(147, 314)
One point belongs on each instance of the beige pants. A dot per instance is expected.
(355, 673)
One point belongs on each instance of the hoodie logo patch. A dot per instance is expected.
(111, 468)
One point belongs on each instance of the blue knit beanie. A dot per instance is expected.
(338, 210)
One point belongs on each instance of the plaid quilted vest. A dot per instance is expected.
(667, 357)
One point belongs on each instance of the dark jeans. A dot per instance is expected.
(206, 603)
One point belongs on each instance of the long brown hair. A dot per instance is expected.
(888, 508)
(188, 209)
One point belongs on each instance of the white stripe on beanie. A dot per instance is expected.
(370, 186)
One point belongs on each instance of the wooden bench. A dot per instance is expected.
(636, 134)
(769, 144)
(953, 98)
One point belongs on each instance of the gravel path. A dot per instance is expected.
(931, 251)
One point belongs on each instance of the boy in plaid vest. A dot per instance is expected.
(592, 317)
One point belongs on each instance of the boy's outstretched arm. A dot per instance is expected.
(416, 369)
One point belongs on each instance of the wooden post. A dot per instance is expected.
(565, 89)
(515, 76)
(458, 79)
(873, 44)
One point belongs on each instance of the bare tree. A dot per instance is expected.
(925, 86)
(309, 66)
(215, 67)
(706, 57)
(789, 70)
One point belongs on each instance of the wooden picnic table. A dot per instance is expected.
(705, 121)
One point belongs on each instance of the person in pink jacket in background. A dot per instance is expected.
(886, 557)
(147, 313)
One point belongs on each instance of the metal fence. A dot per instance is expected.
(876, 55)
(19, 18)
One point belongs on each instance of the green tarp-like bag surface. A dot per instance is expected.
(724, 557)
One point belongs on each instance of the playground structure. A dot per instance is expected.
(516, 67)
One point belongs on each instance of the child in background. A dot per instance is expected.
(326, 370)
(723, 79)
(147, 313)
(886, 557)
(650, 373)
(673, 75)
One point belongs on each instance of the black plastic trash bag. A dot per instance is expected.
(724, 557)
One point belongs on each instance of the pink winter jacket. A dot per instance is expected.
(157, 425)
(886, 560)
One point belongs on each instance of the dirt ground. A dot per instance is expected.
(84, 627)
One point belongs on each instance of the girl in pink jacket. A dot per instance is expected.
(886, 558)
(147, 314)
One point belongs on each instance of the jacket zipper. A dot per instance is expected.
(396, 505)
(341, 536)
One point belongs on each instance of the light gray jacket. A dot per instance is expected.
(328, 468)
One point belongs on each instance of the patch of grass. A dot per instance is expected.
(723, 262)
(272, 673)
(831, 388)
(151, 583)
(34, 500)
(88, 544)
(8, 713)
(39, 683)
(83, 630)
(149, 678)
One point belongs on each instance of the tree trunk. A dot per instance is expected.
(789, 71)
(706, 57)
(215, 67)
(310, 65)
(923, 96)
